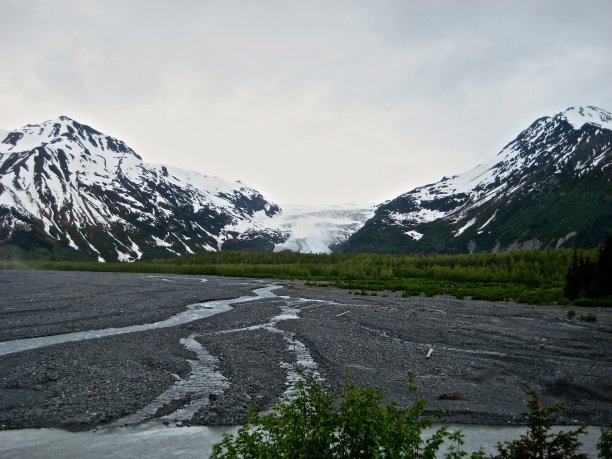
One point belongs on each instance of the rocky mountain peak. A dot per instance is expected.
(64, 131)
(579, 116)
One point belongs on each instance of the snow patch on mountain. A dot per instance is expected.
(484, 225)
(414, 234)
(579, 116)
(464, 227)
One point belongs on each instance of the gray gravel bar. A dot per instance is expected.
(252, 351)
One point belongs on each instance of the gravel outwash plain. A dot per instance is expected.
(482, 351)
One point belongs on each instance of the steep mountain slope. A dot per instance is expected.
(549, 187)
(64, 184)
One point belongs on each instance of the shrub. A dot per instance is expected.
(594, 302)
(604, 445)
(313, 426)
(360, 426)
(571, 314)
(590, 317)
(538, 442)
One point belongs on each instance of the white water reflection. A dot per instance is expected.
(182, 278)
(194, 312)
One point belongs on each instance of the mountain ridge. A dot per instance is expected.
(555, 156)
(63, 182)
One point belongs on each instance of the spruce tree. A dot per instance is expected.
(602, 278)
(572, 278)
(586, 272)
(589, 279)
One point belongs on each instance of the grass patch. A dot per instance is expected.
(590, 317)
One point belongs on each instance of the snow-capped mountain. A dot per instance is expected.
(549, 187)
(64, 184)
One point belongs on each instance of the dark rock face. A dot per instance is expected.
(68, 188)
(549, 187)
(12, 138)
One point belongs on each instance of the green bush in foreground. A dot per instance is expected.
(539, 442)
(313, 426)
(604, 445)
(360, 426)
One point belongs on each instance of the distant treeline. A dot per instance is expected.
(535, 277)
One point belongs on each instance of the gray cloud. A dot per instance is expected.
(319, 101)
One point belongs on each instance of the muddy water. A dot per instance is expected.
(194, 312)
(155, 441)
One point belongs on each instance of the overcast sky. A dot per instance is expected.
(307, 101)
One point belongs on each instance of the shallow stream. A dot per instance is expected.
(157, 441)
